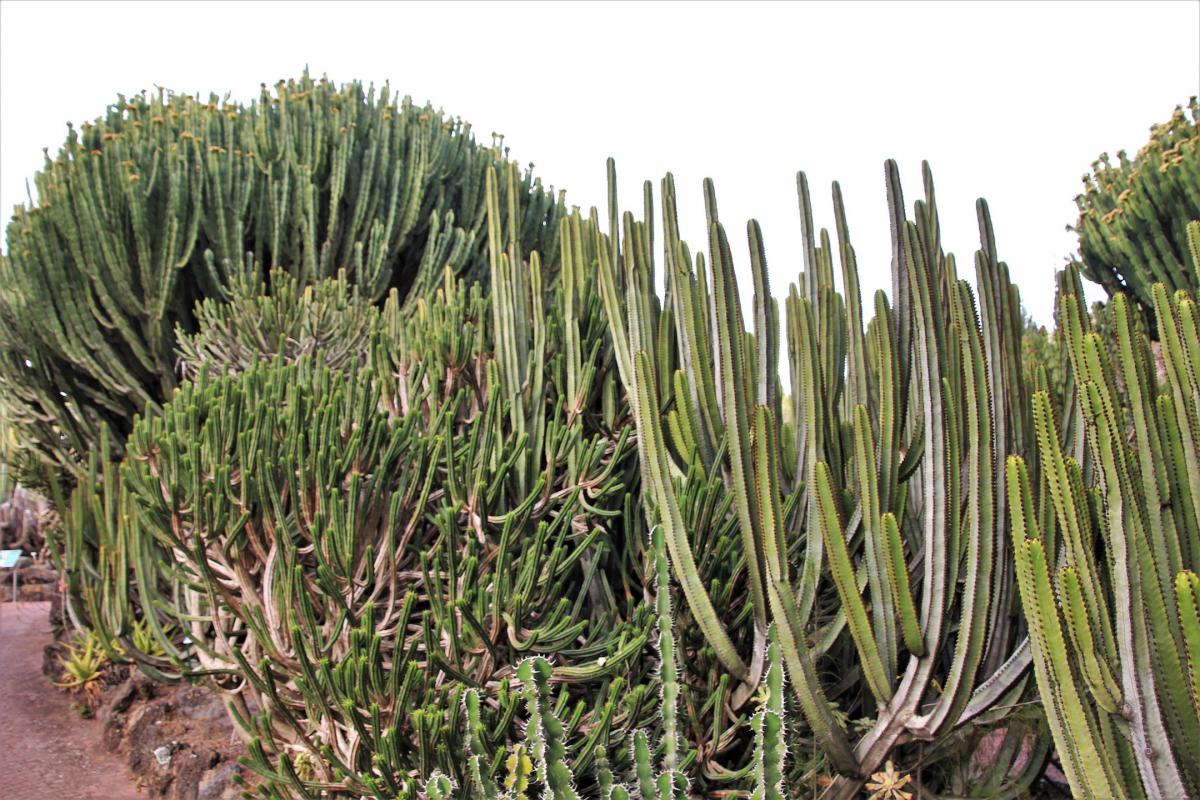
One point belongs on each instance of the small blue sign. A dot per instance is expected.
(9, 558)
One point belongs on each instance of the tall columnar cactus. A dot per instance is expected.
(1133, 213)
(1108, 547)
(167, 199)
(868, 503)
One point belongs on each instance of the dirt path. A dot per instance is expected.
(46, 749)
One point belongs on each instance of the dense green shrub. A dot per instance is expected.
(168, 199)
(1133, 214)
(393, 509)
(258, 321)
(351, 549)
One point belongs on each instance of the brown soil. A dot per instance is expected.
(46, 749)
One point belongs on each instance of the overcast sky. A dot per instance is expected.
(1008, 101)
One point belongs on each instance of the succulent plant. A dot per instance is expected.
(168, 199)
(1133, 213)
(871, 525)
(1108, 547)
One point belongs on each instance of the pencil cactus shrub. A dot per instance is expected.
(867, 511)
(166, 199)
(643, 779)
(1133, 212)
(355, 548)
(1108, 547)
(105, 591)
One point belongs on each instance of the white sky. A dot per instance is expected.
(1009, 101)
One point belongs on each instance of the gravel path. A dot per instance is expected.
(46, 749)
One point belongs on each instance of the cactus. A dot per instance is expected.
(285, 317)
(1115, 638)
(544, 731)
(168, 199)
(382, 559)
(353, 549)
(1133, 214)
(882, 457)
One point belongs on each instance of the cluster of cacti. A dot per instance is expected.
(427, 477)
(1133, 213)
(1108, 547)
(286, 317)
(544, 746)
(168, 199)
(345, 551)
(867, 517)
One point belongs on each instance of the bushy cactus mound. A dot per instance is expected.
(168, 199)
(1133, 213)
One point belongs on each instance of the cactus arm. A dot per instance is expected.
(1085, 763)
(1099, 678)
(668, 669)
(980, 529)
(1187, 589)
(883, 615)
(650, 442)
(901, 590)
(438, 787)
(828, 731)
(847, 586)
(546, 733)
(770, 734)
(737, 415)
(1159, 772)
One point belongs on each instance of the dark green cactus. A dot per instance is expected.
(1108, 547)
(167, 199)
(1133, 214)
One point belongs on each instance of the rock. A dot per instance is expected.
(51, 666)
(199, 703)
(218, 784)
(37, 592)
(37, 574)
